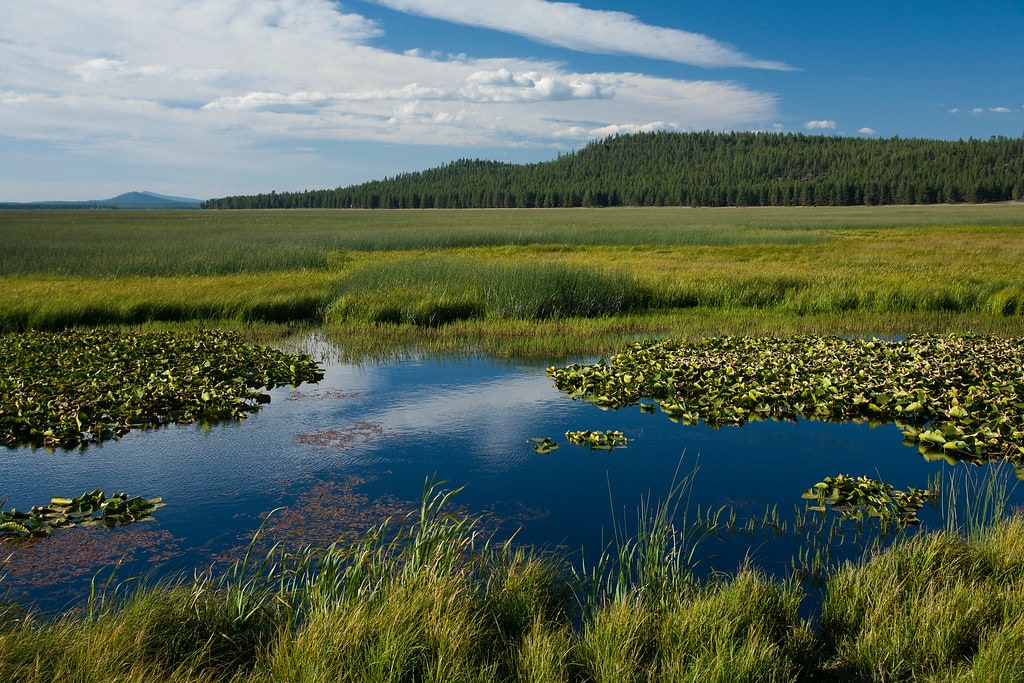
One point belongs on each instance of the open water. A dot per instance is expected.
(335, 457)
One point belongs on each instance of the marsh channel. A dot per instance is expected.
(335, 457)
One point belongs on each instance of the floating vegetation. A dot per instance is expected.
(331, 394)
(954, 397)
(71, 388)
(315, 512)
(543, 444)
(606, 440)
(865, 497)
(342, 438)
(90, 508)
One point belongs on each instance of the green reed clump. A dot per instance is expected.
(53, 303)
(817, 294)
(432, 598)
(566, 338)
(938, 606)
(437, 291)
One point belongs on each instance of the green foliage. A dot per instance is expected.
(697, 169)
(955, 397)
(71, 388)
(857, 498)
(89, 508)
(438, 291)
(543, 444)
(597, 440)
(432, 599)
(937, 606)
(65, 269)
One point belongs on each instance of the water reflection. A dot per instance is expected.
(358, 447)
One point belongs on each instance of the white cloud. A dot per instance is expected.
(217, 84)
(978, 111)
(113, 69)
(571, 26)
(867, 131)
(820, 125)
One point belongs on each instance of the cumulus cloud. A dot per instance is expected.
(215, 84)
(820, 125)
(867, 131)
(598, 31)
(980, 111)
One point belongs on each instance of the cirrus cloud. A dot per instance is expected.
(599, 31)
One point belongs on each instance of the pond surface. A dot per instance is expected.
(358, 447)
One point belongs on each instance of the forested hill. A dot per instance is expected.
(699, 169)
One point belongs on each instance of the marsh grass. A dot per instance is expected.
(932, 607)
(161, 243)
(437, 269)
(592, 337)
(434, 291)
(432, 598)
(52, 303)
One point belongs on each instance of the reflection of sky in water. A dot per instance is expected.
(466, 422)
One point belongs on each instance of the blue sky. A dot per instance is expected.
(203, 98)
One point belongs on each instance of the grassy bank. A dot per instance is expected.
(123, 243)
(433, 600)
(443, 279)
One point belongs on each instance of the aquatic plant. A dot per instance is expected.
(955, 397)
(434, 599)
(71, 388)
(93, 507)
(860, 497)
(597, 440)
(543, 444)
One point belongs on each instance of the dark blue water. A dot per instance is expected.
(335, 457)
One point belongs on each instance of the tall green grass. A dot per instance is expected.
(53, 303)
(434, 270)
(151, 243)
(938, 607)
(433, 598)
(436, 291)
(548, 340)
(814, 294)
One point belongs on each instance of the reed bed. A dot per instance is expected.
(433, 291)
(573, 338)
(125, 243)
(477, 273)
(55, 303)
(432, 598)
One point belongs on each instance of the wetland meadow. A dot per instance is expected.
(568, 444)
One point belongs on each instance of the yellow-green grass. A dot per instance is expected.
(436, 601)
(513, 280)
(51, 302)
(592, 337)
(99, 243)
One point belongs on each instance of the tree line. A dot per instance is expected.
(697, 169)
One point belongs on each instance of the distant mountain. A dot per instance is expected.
(128, 200)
